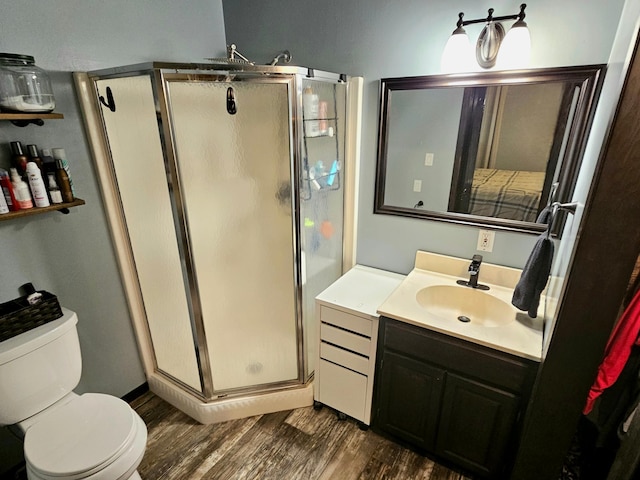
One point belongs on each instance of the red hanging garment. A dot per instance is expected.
(621, 341)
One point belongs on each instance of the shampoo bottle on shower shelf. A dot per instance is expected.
(38, 190)
(310, 107)
(323, 124)
(21, 190)
(7, 190)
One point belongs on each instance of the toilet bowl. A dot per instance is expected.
(94, 436)
(91, 436)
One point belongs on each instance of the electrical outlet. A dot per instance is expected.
(417, 185)
(428, 160)
(485, 240)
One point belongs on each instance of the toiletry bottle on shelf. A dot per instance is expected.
(34, 157)
(19, 160)
(323, 124)
(310, 106)
(48, 162)
(59, 154)
(38, 190)
(4, 208)
(62, 178)
(54, 190)
(21, 190)
(7, 190)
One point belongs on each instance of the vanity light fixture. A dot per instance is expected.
(510, 51)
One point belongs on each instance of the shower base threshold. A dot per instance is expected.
(231, 408)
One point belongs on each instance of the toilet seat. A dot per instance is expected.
(84, 438)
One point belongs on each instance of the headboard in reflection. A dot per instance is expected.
(483, 149)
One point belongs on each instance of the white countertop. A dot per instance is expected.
(521, 337)
(361, 290)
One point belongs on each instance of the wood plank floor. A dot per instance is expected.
(301, 444)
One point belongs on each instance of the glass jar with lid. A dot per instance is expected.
(24, 87)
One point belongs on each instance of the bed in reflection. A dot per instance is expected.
(509, 194)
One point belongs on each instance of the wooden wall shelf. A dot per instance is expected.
(61, 207)
(30, 116)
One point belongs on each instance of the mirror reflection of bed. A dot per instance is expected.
(510, 194)
(516, 134)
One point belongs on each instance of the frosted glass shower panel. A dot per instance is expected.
(235, 177)
(322, 202)
(142, 184)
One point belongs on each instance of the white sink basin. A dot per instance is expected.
(464, 304)
(429, 297)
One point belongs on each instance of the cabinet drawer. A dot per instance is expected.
(342, 389)
(345, 339)
(494, 367)
(340, 319)
(344, 358)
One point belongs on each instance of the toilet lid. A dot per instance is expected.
(82, 436)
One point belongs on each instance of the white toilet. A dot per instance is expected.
(66, 436)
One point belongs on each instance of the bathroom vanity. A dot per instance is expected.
(454, 365)
(451, 397)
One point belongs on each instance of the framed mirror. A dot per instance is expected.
(488, 149)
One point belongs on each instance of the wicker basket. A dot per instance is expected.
(17, 316)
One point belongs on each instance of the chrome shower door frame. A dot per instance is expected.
(163, 79)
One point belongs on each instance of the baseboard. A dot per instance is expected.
(136, 392)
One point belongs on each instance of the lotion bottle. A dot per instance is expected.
(36, 183)
(21, 190)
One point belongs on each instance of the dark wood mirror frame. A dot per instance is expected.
(587, 80)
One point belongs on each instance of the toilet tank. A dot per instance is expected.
(38, 368)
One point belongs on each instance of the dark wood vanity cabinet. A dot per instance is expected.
(446, 396)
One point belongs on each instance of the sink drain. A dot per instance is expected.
(464, 319)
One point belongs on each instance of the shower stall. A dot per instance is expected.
(231, 208)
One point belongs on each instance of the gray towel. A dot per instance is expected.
(526, 295)
(546, 215)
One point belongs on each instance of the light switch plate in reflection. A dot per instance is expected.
(428, 160)
(485, 240)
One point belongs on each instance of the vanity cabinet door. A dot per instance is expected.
(409, 399)
(476, 423)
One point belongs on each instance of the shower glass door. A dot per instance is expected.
(321, 201)
(138, 165)
(234, 169)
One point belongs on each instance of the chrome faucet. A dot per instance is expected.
(474, 274)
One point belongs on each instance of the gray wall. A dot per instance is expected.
(72, 255)
(421, 122)
(377, 39)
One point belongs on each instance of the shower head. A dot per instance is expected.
(285, 56)
(233, 57)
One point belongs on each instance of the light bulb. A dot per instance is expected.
(516, 48)
(457, 55)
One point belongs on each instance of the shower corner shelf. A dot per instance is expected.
(60, 207)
